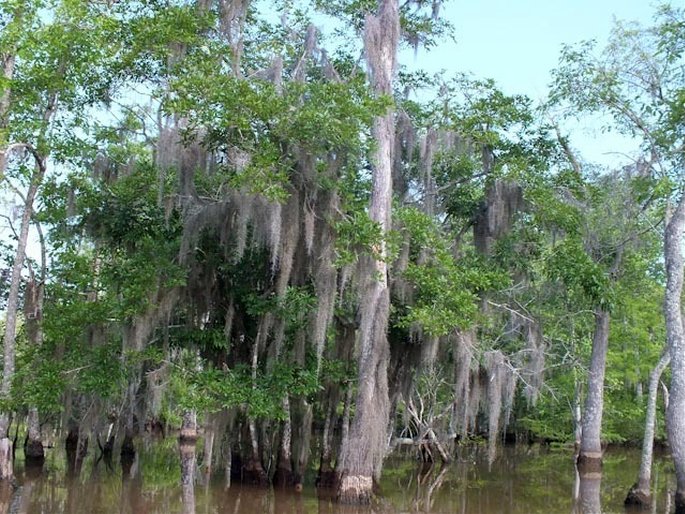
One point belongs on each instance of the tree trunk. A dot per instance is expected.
(640, 494)
(326, 475)
(675, 341)
(33, 314)
(11, 315)
(302, 419)
(187, 451)
(76, 446)
(590, 457)
(8, 60)
(210, 436)
(33, 449)
(253, 471)
(284, 467)
(189, 426)
(361, 457)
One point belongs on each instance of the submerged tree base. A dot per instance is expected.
(254, 474)
(284, 477)
(127, 447)
(589, 462)
(326, 478)
(34, 453)
(355, 490)
(638, 499)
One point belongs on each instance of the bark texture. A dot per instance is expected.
(33, 315)
(675, 413)
(189, 426)
(8, 60)
(187, 451)
(590, 457)
(33, 449)
(362, 453)
(640, 494)
(284, 467)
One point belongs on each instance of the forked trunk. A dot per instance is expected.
(675, 340)
(590, 457)
(361, 456)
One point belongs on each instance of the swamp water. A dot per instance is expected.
(523, 479)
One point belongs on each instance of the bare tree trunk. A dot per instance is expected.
(326, 476)
(210, 436)
(284, 467)
(361, 457)
(11, 316)
(189, 426)
(590, 457)
(675, 341)
(8, 60)
(640, 495)
(253, 471)
(302, 418)
(33, 314)
(187, 450)
(577, 413)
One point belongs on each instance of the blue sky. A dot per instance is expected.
(517, 43)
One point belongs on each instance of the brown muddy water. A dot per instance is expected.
(523, 479)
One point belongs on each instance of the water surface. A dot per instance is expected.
(522, 480)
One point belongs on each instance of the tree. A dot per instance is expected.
(362, 456)
(637, 80)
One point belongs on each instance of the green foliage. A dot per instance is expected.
(357, 233)
(97, 86)
(569, 263)
(270, 126)
(211, 389)
(419, 20)
(445, 288)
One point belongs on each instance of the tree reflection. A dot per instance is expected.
(587, 489)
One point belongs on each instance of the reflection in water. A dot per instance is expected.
(33, 473)
(161, 479)
(429, 481)
(7, 498)
(589, 487)
(132, 498)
